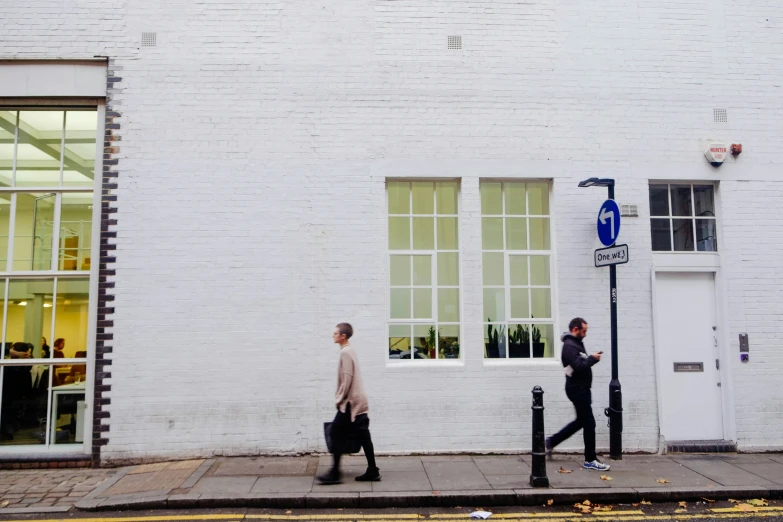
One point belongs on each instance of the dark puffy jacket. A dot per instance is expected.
(576, 362)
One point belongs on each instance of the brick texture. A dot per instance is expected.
(256, 139)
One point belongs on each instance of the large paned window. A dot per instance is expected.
(424, 297)
(517, 270)
(682, 218)
(47, 171)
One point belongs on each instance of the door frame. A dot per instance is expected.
(668, 263)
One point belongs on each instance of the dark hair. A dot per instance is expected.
(59, 342)
(576, 322)
(346, 329)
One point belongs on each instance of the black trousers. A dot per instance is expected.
(359, 429)
(582, 400)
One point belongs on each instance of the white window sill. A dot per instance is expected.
(426, 363)
(525, 363)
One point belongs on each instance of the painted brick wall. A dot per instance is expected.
(256, 139)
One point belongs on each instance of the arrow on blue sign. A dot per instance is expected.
(608, 224)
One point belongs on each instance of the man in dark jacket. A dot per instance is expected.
(579, 378)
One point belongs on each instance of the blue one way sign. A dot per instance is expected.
(608, 223)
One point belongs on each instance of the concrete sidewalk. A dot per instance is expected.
(459, 480)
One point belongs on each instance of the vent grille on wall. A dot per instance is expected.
(455, 42)
(149, 39)
(629, 210)
(720, 115)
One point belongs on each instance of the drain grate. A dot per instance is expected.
(701, 446)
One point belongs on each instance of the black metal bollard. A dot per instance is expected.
(615, 414)
(538, 478)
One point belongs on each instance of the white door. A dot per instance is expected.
(686, 350)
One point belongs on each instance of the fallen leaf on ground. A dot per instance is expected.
(707, 500)
(758, 502)
(563, 470)
(734, 501)
(680, 510)
(683, 504)
(288, 512)
(662, 481)
(645, 503)
(635, 505)
(585, 509)
(604, 477)
(602, 508)
(436, 492)
(746, 507)
(4, 503)
(550, 502)
(587, 503)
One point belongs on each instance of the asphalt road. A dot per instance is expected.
(698, 511)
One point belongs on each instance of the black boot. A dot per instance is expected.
(332, 477)
(371, 475)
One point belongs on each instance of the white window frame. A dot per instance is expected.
(507, 286)
(693, 217)
(432, 321)
(8, 276)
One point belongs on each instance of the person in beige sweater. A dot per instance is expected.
(351, 419)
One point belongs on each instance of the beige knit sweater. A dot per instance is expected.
(350, 386)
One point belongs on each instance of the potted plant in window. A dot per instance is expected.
(448, 346)
(496, 340)
(519, 343)
(538, 346)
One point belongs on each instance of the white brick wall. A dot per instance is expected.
(256, 139)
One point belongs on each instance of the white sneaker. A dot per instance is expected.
(596, 465)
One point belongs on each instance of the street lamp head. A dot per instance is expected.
(597, 182)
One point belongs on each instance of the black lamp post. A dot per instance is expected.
(615, 409)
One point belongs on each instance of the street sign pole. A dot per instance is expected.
(615, 409)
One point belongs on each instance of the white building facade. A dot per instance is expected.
(195, 194)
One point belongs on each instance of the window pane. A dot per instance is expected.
(494, 305)
(25, 399)
(446, 194)
(542, 303)
(400, 270)
(68, 404)
(448, 268)
(5, 222)
(517, 270)
(399, 340)
(516, 234)
(7, 132)
(515, 198)
(422, 270)
(659, 200)
(520, 306)
(519, 341)
(33, 231)
(448, 341)
(538, 199)
(492, 233)
(399, 198)
(447, 233)
(543, 337)
(70, 317)
(38, 152)
(492, 268)
(539, 234)
(448, 305)
(423, 197)
(704, 200)
(681, 200)
(706, 241)
(424, 341)
(76, 231)
(423, 233)
(80, 133)
(539, 270)
(494, 341)
(422, 303)
(491, 199)
(399, 233)
(661, 235)
(400, 303)
(29, 317)
(683, 235)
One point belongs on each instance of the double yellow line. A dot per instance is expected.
(630, 516)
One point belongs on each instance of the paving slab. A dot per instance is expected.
(266, 466)
(771, 470)
(349, 485)
(283, 485)
(722, 472)
(454, 475)
(224, 485)
(497, 465)
(403, 481)
(398, 464)
(508, 481)
(579, 477)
